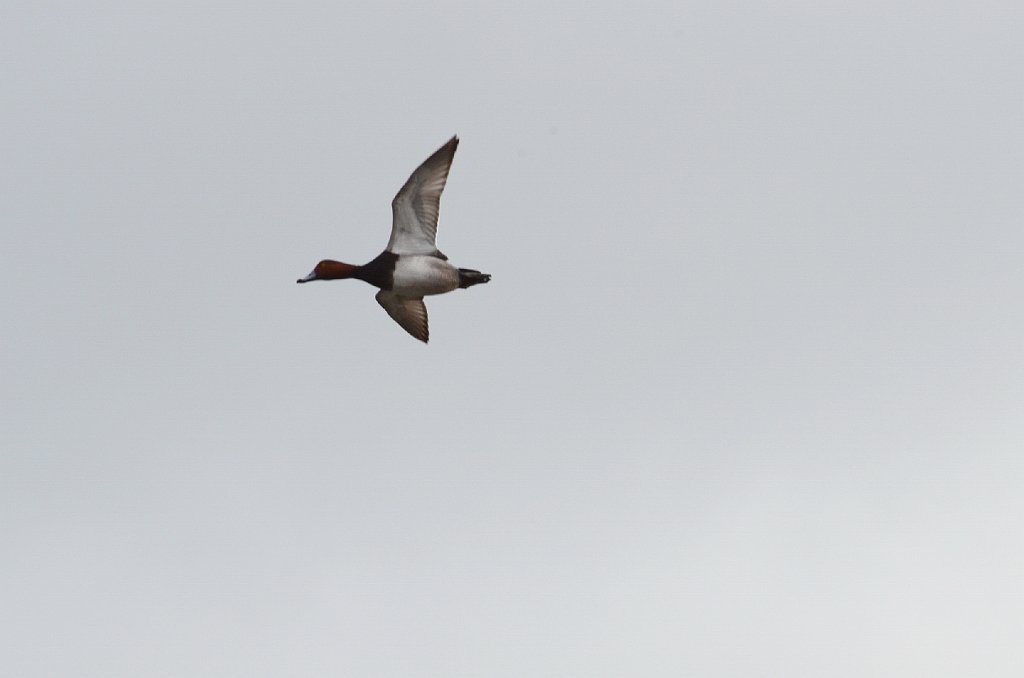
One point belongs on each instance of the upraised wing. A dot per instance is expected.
(414, 210)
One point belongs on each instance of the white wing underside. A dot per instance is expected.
(410, 313)
(416, 206)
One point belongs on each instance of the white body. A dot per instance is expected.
(420, 275)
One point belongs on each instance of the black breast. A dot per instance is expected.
(380, 272)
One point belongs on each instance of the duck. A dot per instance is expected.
(410, 267)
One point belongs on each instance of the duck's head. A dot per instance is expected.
(329, 270)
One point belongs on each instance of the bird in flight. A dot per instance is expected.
(411, 267)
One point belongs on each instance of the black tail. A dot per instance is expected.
(468, 277)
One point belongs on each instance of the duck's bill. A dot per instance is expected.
(311, 276)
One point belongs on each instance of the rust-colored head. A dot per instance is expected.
(329, 270)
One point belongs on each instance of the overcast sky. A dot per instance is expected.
(743, 398)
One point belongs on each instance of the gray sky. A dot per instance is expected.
(743, 397)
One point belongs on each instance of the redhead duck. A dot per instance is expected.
(411, 267)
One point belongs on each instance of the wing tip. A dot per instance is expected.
(451, 144)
